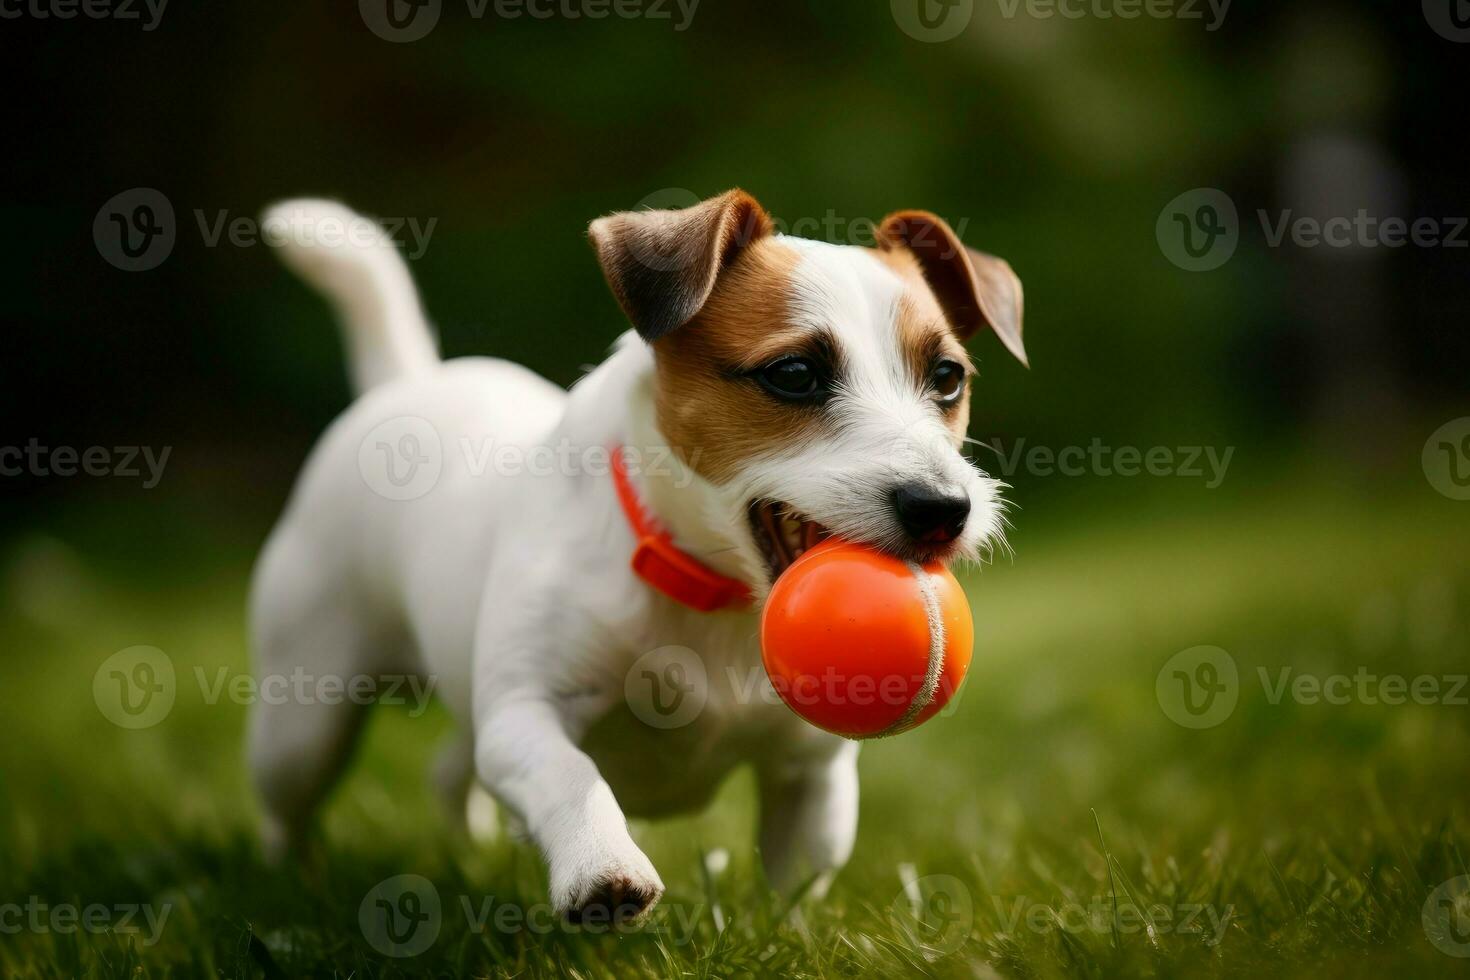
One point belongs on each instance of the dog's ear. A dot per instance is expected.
(663, 265)
(973, 288)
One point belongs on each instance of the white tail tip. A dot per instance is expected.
(354, 263)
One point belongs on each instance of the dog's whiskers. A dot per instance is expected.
(980, 442)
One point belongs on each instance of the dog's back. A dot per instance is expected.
(331, 594)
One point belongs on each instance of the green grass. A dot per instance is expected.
(1309, 836)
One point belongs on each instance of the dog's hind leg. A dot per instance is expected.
(300, 739)
(453, 774)
(468, 806)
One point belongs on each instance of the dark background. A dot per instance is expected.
(1056, 141)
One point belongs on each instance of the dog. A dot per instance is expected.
(772, 391)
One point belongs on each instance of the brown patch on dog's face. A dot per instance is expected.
(715, 416)
(926, 337)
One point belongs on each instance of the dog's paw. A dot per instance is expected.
(617, 900)
(618, 891)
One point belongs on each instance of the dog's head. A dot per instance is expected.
(822, 388)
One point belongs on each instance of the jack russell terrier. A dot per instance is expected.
(791, 388)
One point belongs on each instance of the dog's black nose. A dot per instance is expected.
(929, 515)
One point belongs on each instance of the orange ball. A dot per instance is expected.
(863, 644)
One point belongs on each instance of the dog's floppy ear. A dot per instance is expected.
(973, 288)
(662, 265)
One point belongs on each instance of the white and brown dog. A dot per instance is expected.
(801, 389)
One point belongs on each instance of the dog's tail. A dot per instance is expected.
(351, 260)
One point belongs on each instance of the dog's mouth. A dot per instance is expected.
(783, 534)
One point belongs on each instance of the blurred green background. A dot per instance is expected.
(1061, 143)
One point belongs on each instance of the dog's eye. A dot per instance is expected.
(948, 381)
(791, 378)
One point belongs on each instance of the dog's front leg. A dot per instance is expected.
(525, 756)
(808, 821)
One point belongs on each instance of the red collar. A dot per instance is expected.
(661, 563)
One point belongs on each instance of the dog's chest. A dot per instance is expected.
(685, 715)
